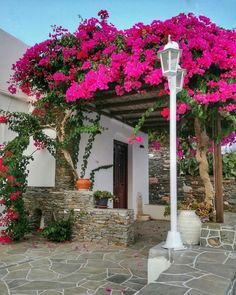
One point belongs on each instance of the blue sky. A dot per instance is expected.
(30, 20)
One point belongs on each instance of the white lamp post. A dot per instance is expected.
(170, 68)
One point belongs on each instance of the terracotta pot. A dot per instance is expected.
(83, 184)
(189, 225)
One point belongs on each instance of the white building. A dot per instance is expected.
(129, 174)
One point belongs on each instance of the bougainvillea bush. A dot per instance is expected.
(69, 70)
(13, 172)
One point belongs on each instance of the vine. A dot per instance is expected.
(92, 174)
(88, 148)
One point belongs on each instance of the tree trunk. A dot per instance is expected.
(65, 178)
(65, 169)
(201, 156)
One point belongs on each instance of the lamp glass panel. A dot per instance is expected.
(174, 60)
(179, 79)
(165, 61)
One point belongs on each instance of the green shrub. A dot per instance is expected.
(229, 165)
(189, 166)
(60, 230)
(102, 194)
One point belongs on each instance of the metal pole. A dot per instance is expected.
(173, 240)
(173, 165)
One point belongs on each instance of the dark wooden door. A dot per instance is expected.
(120, 174)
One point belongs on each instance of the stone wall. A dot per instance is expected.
(115, 226)
(110, 226)
(159, 169)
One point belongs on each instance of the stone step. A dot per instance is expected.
(143, 217)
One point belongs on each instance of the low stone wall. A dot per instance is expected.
(218, 236)
(114, 226)
(110, 226)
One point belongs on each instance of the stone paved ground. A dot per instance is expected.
(37, 267)
(197, 271)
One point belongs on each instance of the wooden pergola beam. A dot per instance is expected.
(155, 124)
(132, 102)
(134, 111)
(144, 91)
(149, 119)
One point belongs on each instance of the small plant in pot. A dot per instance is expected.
(101, 198)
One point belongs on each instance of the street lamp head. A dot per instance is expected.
(169, 57)
(180, 78)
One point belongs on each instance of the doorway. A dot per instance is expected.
(120, 175)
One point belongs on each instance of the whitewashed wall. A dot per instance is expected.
(42, 170)
(11, 49)
(102, 154)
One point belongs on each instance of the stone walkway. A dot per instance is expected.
(43, 268)
(197, 271)
(36, 267)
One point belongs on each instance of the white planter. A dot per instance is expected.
(189, 226)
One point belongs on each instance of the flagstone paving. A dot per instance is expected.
(197, 271)
(42, 268)
(36, 267)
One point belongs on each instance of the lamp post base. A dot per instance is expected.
(174, 241)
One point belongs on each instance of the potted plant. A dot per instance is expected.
(101, 198)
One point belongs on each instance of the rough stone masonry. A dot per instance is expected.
(110, 226)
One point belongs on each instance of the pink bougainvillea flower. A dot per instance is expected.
(3, 119)
(103, 14)
(182, 108)
(43, 145)
(2, 201)
(5, 239)
(156, 145)
(15, 195)
(14, 216)
(108, 290)
(59, 77)
(35, 111)
(10, 178)
(82, 55)
(3, 168)
(180, 153)
(12, 89)
(138, 138)
(130, 141)
(36, 143)
(212, 147)
(166, 113)
(9, 154)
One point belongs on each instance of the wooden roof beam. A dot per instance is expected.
(134, 111)
(132, 102)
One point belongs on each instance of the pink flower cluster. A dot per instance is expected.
(98, 57)
(181, 109)
(3, 119)
(229, 139)
(40, 145)
(13, 193)
(135, 139)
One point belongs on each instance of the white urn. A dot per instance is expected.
(189, 226)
